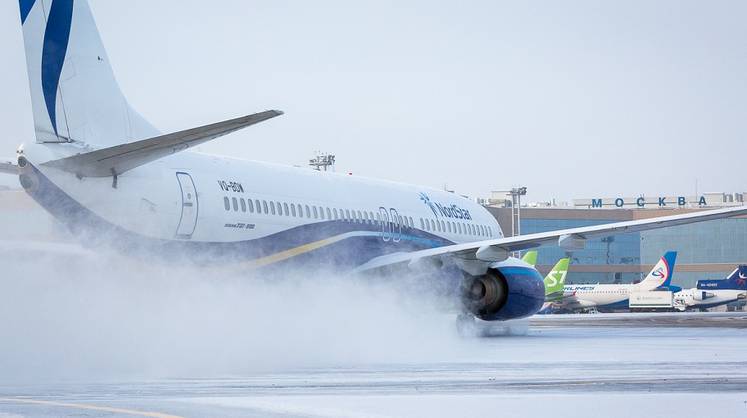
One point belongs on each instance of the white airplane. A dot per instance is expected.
(113, 179)
(712, 293)
(616, 296)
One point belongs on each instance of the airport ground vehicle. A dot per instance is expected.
(651, 301)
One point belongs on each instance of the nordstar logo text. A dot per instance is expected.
(447, 211)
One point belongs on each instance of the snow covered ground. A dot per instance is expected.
(86, 335)
(563, 372)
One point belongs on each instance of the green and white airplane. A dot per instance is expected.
(555, 279)
(530, 258)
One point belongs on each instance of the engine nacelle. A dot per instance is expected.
(508, 290)
(701, 295)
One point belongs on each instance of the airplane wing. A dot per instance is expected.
(120, 158)
(493, 250)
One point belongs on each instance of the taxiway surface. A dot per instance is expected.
(563, 368)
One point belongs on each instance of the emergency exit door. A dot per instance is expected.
(188, 220)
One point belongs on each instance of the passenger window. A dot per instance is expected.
(448, 226)
(459, 227)
(272, 207)
(235, 204)
(433, 225)
(251, 205)
(316, 214)
(360, 217)
(280, 208)
(321, 212)
(285, 208)
(243, 204)
(365, 217)
(259, 207)
(308, 212)
(334, 211)
(264, 206)
(293, 210)
(329, 214)
(347, 214)
(300, 211)
(227, 203)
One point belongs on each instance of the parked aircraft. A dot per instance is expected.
(615, 296)
(712, 293)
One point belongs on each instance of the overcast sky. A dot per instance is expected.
(571, 99)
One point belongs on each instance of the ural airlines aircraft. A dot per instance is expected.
(712, 293)
(113, 179)
(615, 296)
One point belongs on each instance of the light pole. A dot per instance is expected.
(516, 194)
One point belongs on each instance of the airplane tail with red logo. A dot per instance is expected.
(661, 275)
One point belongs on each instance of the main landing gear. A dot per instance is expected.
(468, 326)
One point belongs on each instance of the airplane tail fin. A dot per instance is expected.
(661, 274)
(737, 280)
(74, 94)
(530, 257)
(555, 279)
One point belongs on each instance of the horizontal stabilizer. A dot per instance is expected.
(121, 158)
(8, 167)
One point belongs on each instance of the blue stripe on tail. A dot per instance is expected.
(56, 37)
(670, 258)
(26, 6)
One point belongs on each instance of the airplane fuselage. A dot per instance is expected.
(582, 296)
(266, 213)
(704, 299)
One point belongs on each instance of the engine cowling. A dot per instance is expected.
(504, 292)
(702, 295)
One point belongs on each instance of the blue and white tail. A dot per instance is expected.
(661, 274)
(737, 280)
(74, 94)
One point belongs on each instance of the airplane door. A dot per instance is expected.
(396, 225)
(188, 220)
(386, 227)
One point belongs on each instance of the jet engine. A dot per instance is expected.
(508, 290)
(702, 295)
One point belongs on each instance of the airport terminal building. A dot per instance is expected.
(708, 250)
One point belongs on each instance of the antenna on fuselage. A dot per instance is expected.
(323, 162)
